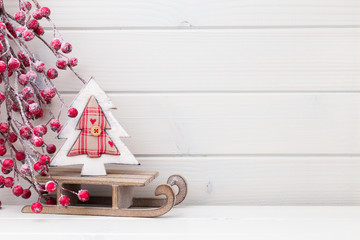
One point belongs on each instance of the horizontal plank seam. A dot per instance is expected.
(204, 27)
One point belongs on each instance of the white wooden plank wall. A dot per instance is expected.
(256, 102)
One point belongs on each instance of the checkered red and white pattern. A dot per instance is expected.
(88, 144)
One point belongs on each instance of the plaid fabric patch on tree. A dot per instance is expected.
(92, 143)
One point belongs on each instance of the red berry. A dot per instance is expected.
(45, 11)
(49, 93)
(38, 166)
(64, 201)
(37, 141)
(40, 130)
(13, 63)
(26, 6)
(8, 163)
(4, 127)
(22, 55)
(18, 190)
(72, 112)
(44, 159)
(27, 93)
(31, 76)
(2, 97)
(40, 30)
(83, 195)
(2, 66)
(33, 24)
(2, 26)
(39, 66)
(1, 47)
(50, 187)
(51, 148)
(66, 47)
(54, 124)
(2, 141)
(73, 61)
(51, 73)
(37, 207)
(55, 44)
(2, 150)
(28, 35)
(25, 169)
(26, 194)
(9, 182)
(25, 132)
(34, 108)
(5, 171)
(12, 137)
(20, 156)
(20, 17)
(22, 79)
(51, 201)
(37, 14)
(39, 114)
(2, 181)
(61, 63)
(15, 107)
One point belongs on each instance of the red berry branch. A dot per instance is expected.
(28, 90)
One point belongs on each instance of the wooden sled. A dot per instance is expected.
(121, 203)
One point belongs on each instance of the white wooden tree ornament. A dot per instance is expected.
(73, 130)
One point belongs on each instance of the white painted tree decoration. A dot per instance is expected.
(103, 130)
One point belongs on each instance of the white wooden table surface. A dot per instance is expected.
(196, 222)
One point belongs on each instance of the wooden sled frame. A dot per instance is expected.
(123, 204)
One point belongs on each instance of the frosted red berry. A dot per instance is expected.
(38, 167)
(12, 137)
(2, 66)
(25, 6)
(2, 181)
(66, 47)
(51, 148)
(83, 195)
(13, 63)
(25, 132)
(34, 108)
(19, 31)
(31, 76)
(39, 66)
(33, 24)
(22, 79)
(15, 108)
(1, 47)
(5, 171)
(25, 169)
(18, 190)
(37, 14)
(44, 159)
(61, 63)
(55, 44)
(37, 207)
(50, 187)
(8, 182)
(40, 130)
(2, 150)
(40, 30)
(27, 35)
(52, 73)
(4, 127)
(64, 201)
(20, 17)
(26, 194)
(22, 55)
(73, 61)
(54, 124)
(20, 155)
(37, 141)
(72, 112)
(8, 163)
(45, 11)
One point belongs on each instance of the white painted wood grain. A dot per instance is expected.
(200, 13)
(257, 181)
(213, 124)
(214, 60)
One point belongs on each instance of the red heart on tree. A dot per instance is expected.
(92, 120)
(111, 143)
